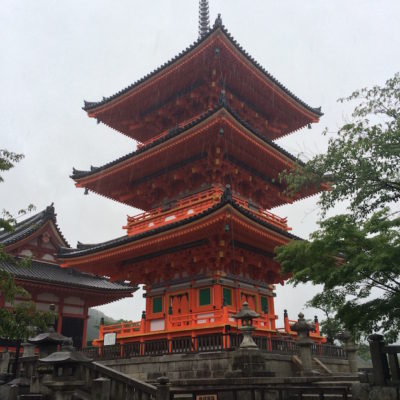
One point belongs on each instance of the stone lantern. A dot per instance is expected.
(303, 329)
(47, 342)
(67, 372)
(248, 360)
(246, 316)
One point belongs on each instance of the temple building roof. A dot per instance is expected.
(128, 109)
(44, 272)
(29, 226)
(39, 238)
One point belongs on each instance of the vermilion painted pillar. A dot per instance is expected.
(60, 313)
(286, 321)
(85, 321)
(218, 298)
(271, 312)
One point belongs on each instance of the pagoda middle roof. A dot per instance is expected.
(97, 109)
(226, 199)
(80, 174)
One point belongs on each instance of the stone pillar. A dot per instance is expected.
(4, 361)
(28, 360)
(162, 388)
(379, 360)
(29, 349)
(13, 392)
(101, 389)
(351, 349)
(303, 329)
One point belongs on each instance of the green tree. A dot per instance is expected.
(356, 256)
(15, 323)
(328, 302)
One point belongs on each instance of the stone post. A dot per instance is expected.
(162, 388)
(101, 389)
(29, 349)
(379, 360)
(13, 392)
(303, 329)
(4, 361)
(351, 349)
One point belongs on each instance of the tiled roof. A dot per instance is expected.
(28, 226)
(78, 174)
(217, 26)
(226, 198)
(52, 273)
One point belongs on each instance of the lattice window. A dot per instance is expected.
(157, 304)
(205, 296)
(227, 296)
(264, 304)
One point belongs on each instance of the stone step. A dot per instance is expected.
(317, 397)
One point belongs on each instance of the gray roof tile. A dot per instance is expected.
(52, 273)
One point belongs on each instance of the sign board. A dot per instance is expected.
(206, 397)
(110, 339)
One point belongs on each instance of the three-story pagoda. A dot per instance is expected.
(205, 174)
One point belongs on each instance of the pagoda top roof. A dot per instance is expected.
(226, 199)
(95, 107)
(45, 272)
(79, 174)
(29, 226)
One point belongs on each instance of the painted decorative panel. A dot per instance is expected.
(157, 325)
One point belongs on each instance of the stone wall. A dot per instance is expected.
(206, 365)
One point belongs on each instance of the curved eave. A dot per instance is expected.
(121, 292)
(94, 108)
(29, 227)
(226, 200)
(51, 274)
(79, 176)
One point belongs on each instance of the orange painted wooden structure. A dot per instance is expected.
(205, 173)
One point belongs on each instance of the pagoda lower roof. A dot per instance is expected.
(66, 254)
(125, 110)
(52, 274)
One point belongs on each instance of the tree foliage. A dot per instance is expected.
(356, 256)
(362, 162)
(15, 322)
(359, 266)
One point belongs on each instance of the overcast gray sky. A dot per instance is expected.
(54, 54)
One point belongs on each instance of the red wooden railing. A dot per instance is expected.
(192, 205)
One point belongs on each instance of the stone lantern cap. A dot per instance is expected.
(344, 336)
(302, 325)
(246, 313)
(65, 357)
(21, 381)
(49, 337)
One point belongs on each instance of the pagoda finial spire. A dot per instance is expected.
(204, 18)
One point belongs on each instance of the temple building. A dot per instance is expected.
(71, 291)
(205, 173)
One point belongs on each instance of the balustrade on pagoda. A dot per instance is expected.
(192, 205)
